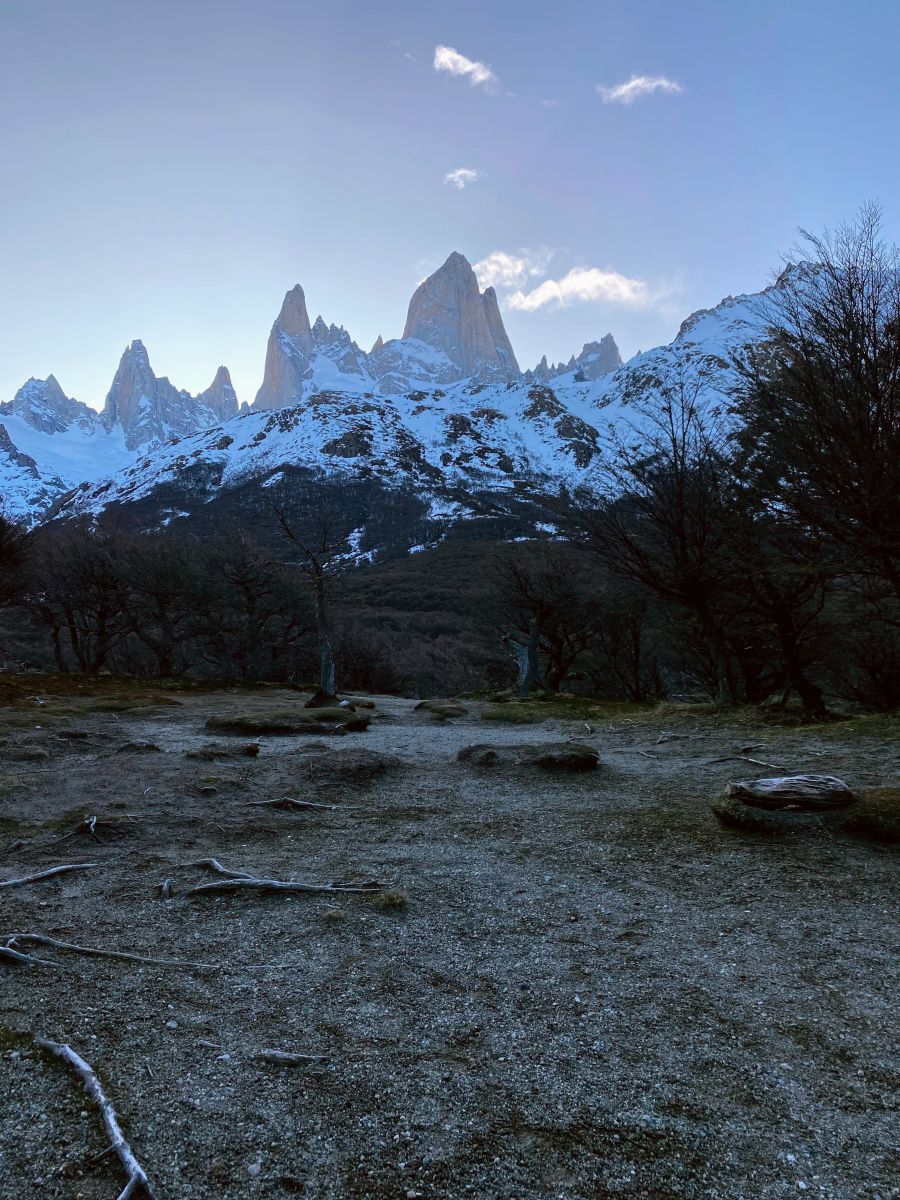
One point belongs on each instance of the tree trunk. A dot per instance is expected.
(326, 649)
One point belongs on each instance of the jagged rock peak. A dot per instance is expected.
(293, 320)
(377, 345)
(449, 313)
(599, 358)
(220, 396)
(42, 404)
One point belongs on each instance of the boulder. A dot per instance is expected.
(550, 756)
(802, 793)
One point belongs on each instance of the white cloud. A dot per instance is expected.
(499, 269)
(462, 177)
(637, 86)
(580, 285)
(479, 74)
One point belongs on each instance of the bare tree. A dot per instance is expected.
(821, 403)
(323, 541)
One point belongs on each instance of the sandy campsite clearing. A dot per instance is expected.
(570, 984)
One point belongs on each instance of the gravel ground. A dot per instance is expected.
(590, 991)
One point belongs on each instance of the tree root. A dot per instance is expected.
(13, 940)
(288, 803)
(93, 826)
(46, 874)
(287, 1058)
(236, 881)
(756, 762)
(137, 1177)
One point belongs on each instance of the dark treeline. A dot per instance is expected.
(747, 550)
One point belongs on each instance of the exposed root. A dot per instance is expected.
(236, 881)
(287, 1058)
(61, 870)
(93, 826)
(756, 762)
(137, 1178)
(9, 955)
(288, 803)
(12, 942)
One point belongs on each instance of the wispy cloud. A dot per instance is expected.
(462, 177)
(499, 269)
(479, 74)
(581, 285)
(637, 86)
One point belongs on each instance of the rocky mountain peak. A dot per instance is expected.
(293, 320)
(449, 313)
(220, 397)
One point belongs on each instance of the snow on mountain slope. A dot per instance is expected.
(395, 416)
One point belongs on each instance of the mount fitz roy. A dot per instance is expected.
(440, 423)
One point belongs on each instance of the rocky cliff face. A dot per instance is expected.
(150, 410)
(449, 313)
(301, 358)
(220, 397)
(42, 404)
(595, 359)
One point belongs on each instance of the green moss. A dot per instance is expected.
(876, 816)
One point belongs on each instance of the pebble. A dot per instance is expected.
(254, 1169)
(171, 1024)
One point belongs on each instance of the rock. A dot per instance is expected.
(139, 748)
(448, 313)
(804, 793)
(446, 709)
(212, 751)
(551, 756)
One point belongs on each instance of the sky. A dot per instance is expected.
(171, 169)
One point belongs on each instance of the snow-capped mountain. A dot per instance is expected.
(442, 415)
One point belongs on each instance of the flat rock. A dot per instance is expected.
(551, 756)
(804, 793)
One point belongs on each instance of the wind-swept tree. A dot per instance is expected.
(820, 404)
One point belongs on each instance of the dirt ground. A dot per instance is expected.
(577, 986)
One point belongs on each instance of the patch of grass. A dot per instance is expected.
(876, 816)
(389, 901)
(732, 814)
(566, 707)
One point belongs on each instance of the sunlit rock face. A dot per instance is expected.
(220, 397)
(450, 314)
(148, 409)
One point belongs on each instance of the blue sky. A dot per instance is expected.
(171, 169)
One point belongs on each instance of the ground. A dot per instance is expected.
(579, 986)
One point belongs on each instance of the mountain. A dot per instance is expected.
(151, 410)
(428, 450)
(595, 359)
(220, 397)
(450, 314)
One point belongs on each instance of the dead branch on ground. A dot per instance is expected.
(756, 762)
(286, 802)
(236, 881)
(137, 1177)
(12, 942)
(61, 870)
(287, 1058)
